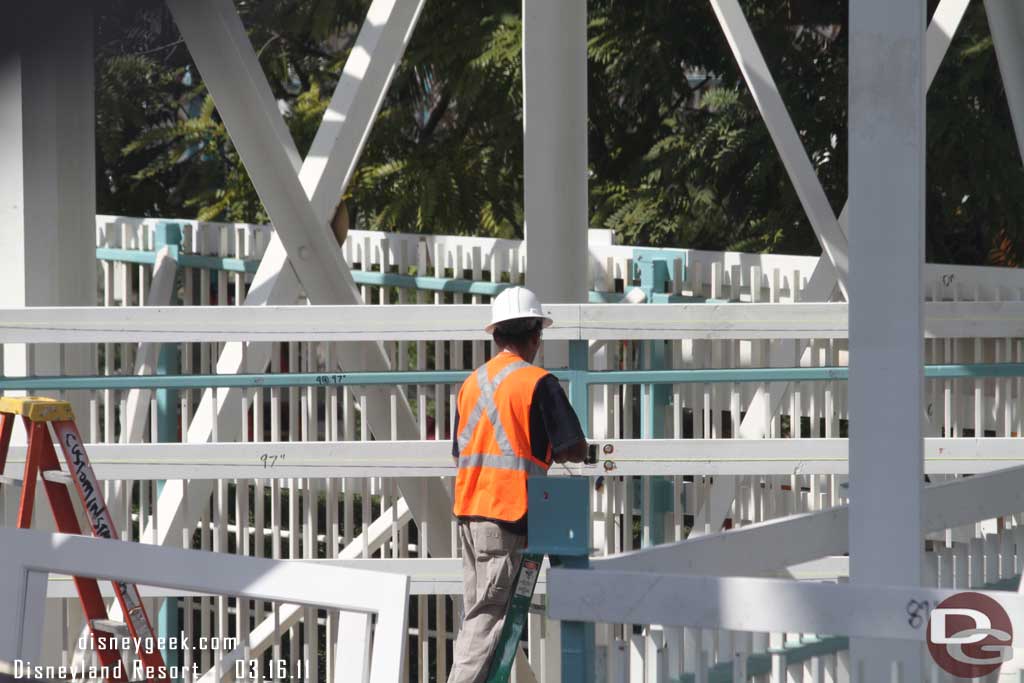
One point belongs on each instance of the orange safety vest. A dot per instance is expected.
(495, 457)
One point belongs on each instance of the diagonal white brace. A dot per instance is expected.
(784, 135)
(822, 283)
(769, 547)
(346, 125)
(299, 208)
(1006, 22)
(777, 606)
(246, 103)
(943, 26)
(231, 71)
(138, 402)
(217, 40)
(160, 294)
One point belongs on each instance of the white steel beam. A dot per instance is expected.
(83, 325)
(886, 388)
(338, 144)
(48, 188)
(231, 71)
(250, 112)
(48, 172)
(784, 135)
(298, 198)
(822, 283)
(1006, 22)
(381, 593)
(718, 501)
(801, 538)
(745, 604)
(427, 576)
(340, 459)
(555, 213)
(555, 149)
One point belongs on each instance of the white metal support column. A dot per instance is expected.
(555, 172)
(47, 188)
(887, 209)
(47, 193)
(555, 153)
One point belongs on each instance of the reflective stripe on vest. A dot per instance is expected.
(493, 440)
(486, 402)
(502, 462)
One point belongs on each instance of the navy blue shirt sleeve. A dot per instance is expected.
(552, 419)
(455, 435)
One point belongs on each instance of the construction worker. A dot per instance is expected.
(512, 421)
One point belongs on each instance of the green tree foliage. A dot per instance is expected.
(975, 204)
(687, 161)
(678, 153)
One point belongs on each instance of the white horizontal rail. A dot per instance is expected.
(634, 457)
(786, 456)
(749, 604)
(76, 325)
(427, 576)
(804, 537)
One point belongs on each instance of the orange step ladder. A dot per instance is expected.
(38, 415)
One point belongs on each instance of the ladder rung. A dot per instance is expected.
(57, 477)
(10, 481)
(115, 628)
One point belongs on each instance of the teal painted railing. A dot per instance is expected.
(587, 377)
(368, 278)
(361, 277)
(148, 258)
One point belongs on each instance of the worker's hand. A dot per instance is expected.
(575, 453)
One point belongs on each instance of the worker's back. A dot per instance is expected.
(496, 455)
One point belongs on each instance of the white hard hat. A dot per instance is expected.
(514, 303)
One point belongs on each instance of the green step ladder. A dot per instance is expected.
(559, 528)
(515, 619)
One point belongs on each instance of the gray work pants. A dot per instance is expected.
(490, 560)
